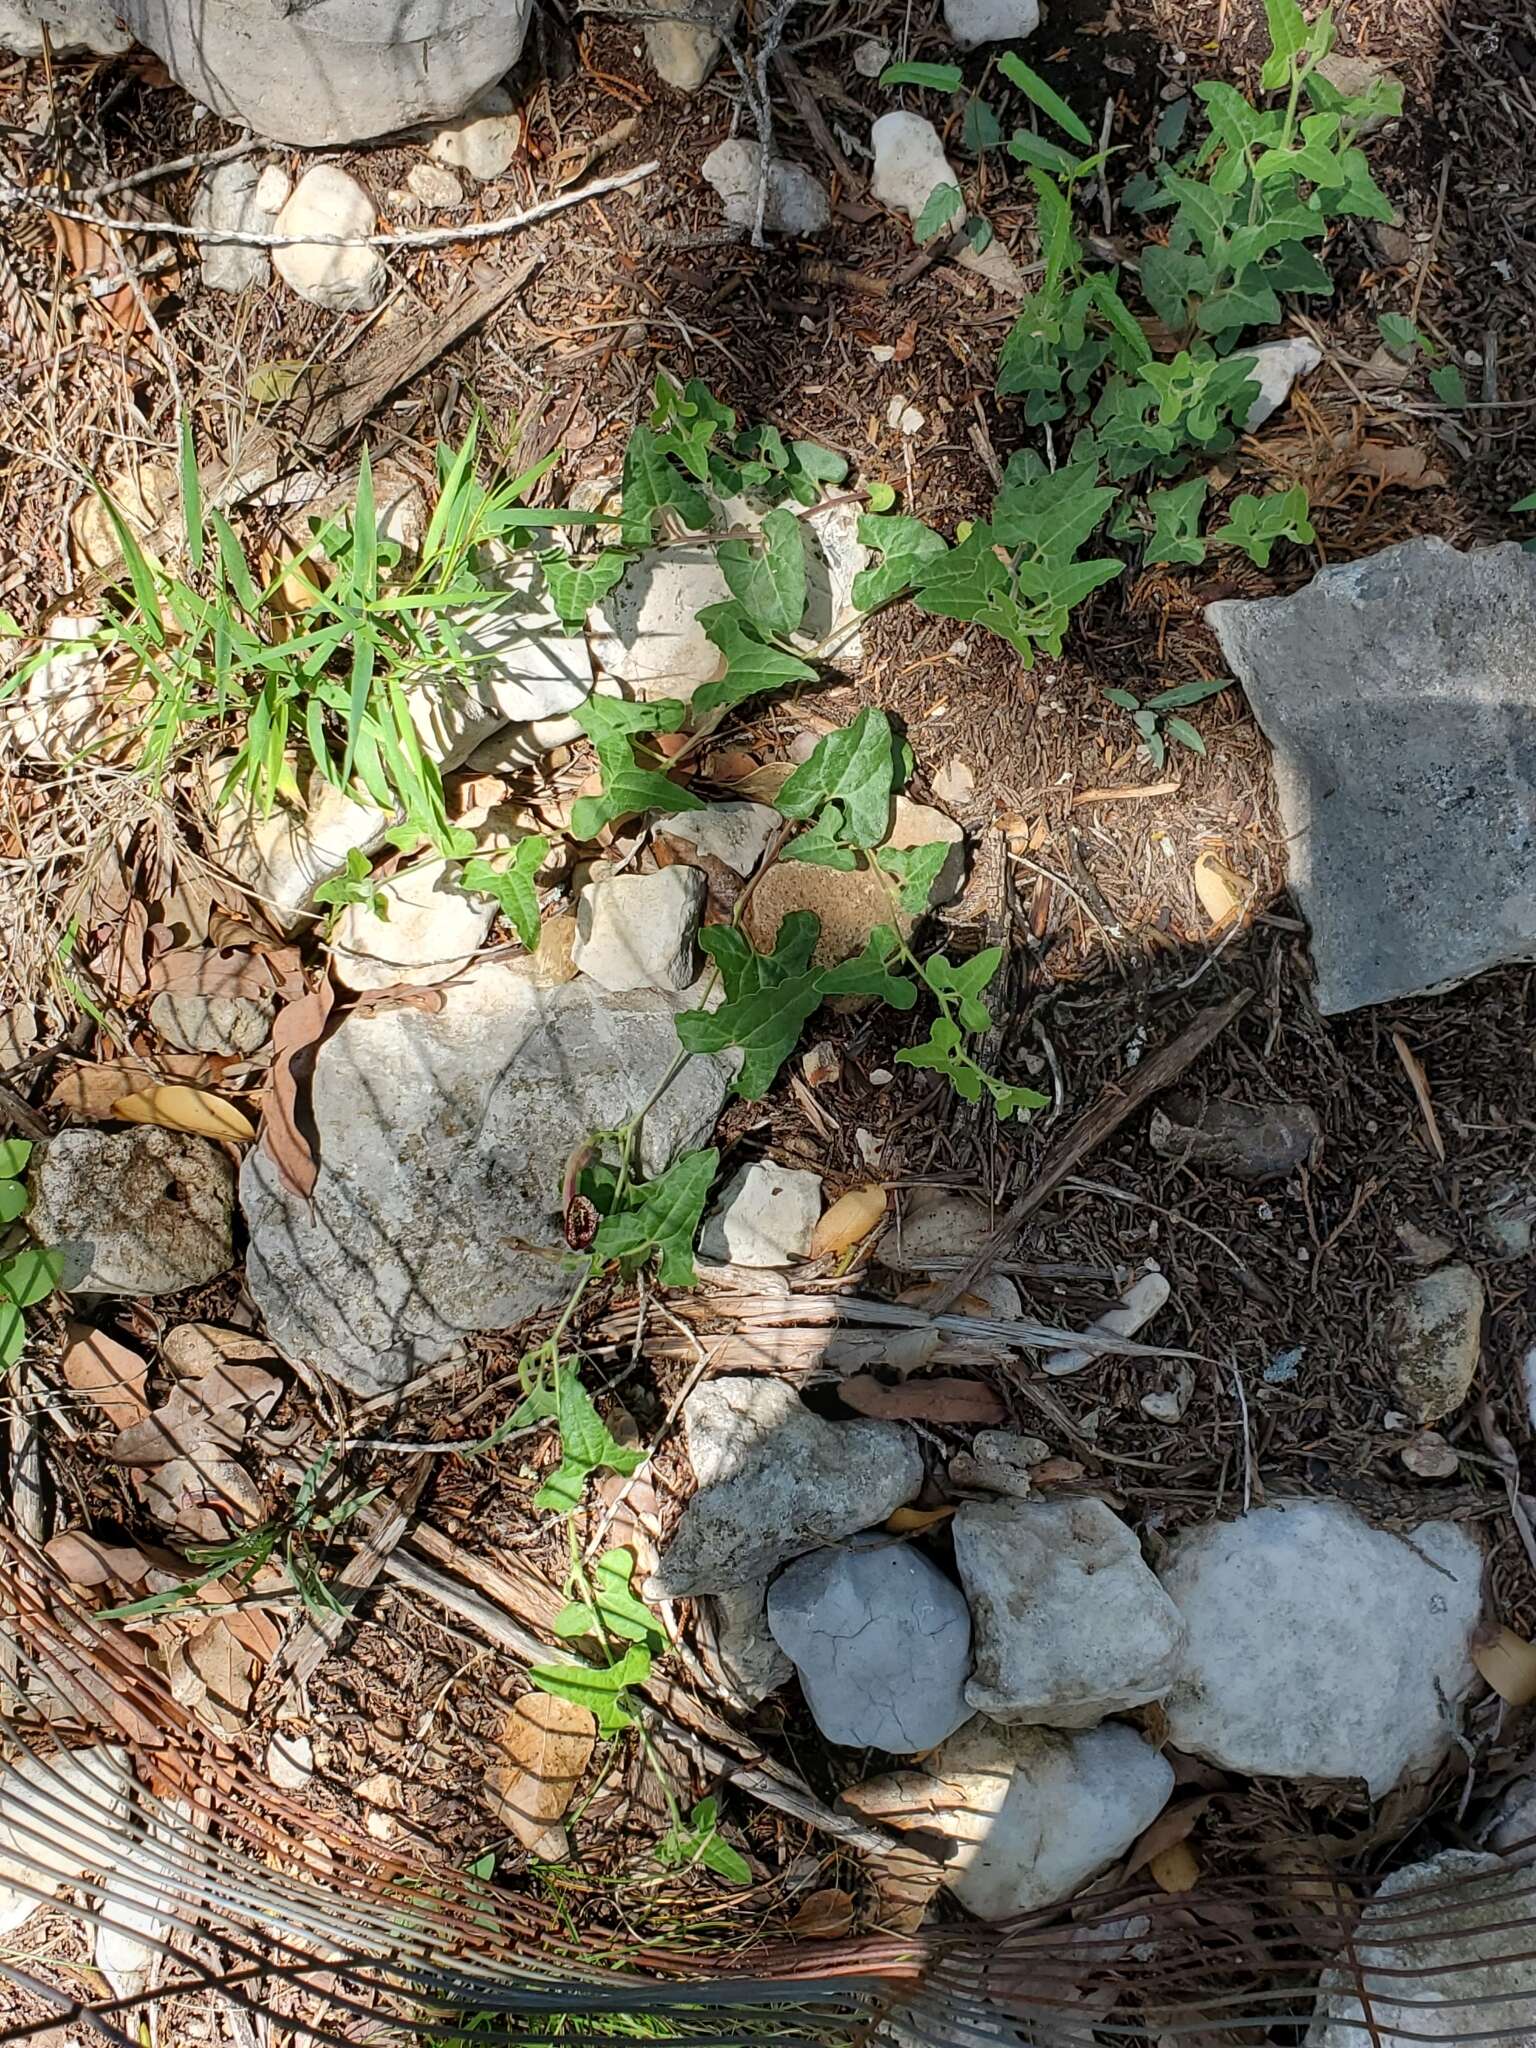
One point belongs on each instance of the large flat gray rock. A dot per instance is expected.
(1399, 695)
(443, 1141)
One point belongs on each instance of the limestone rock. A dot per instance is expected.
(481, 142)
(1398, 693)
(229, 196)
(972, 22)
(62, 1817)
(520, 668)
(1071, 1624)
(443, 1141)
(1362, 1637)
(737, 834)
(73, 25)
(68, 705)
(1253, 1142)
(764, 1216)
(431, 930)
(850, 906)
(774, 1480)
(235, 1025)
(1508, 1220)
(796, 203)
(881, 1641)
(1147, 1293)
(1432, 1954)
(998, 1462)
(283, 858)
(290, 1760)
(141, 1211)
(1032, 1814)
(909, 164)
(685, 52)
(639, 931)
(1277, 365)
(1435, 1335)
(434, 186)
(740, 1646)
(272, 188)
(329, 201)
(935, 1223)
(333, 70)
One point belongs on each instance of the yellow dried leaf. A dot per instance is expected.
(178, 1108)
(1507, 1662)
(851, 1217)
(1176, 1868)
(912, 1521)
(1222, 891)
(547, 1743)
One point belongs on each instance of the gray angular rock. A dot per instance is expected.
(640, 931)
(431, 930)
(518, 667)
(1398, 693)
(736, 834)
(1071, 1624)
(332, 70)
(1440, 1954)
(434, 186)
(141, 1211)
(1435, 1337)
(741, 1645)
(796, 203)
(1362, 1637)
(763, 1216)
(774, 1481)
(229, 197)
(284, 856)
(235, 1025)
(1249, 1141)
(881, 1641)
(1276, 366)
(73, 25)
(685, 52)
(1030, 1815)
(443, 1141)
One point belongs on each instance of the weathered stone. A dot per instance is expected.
(282, 858)
(69, 705)
(228, 197)
(740, 1645)
(1031, 1815)
(685, 52)
(972, 22)
(1508, 1218)
(998, 1462)
(1147, 1293)
(764, 1216)
(334, 70)
(1399, 695)
(935, 1223)
(290, 1760)
(1276, 366)
(142, 1211)
(1071, 1624)
(1439, 1954)
(430, 930)
(236, 1025)
(639, 931)
(850, 906)
(273, 186)
(796, 203)
(736, 834)
(1320, 1647)
(73, 25)
(328, 201)
(1258, 1141)
(443, 1142)
(881, 1641)
(62, 1817)
(909, 165)
(774, 1481)
(1435, 1335)
(480, 142)
(434, 186)
(520, 667)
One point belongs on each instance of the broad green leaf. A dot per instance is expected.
(938, 77)
(870, 972)
(628, 789)
(1176, 523)
(699, 1842)
(660, 1218)
(1050, 102)
(1525, 504)
(508, 879)
(13, 1200)
(965, 983)
(1181, 730)
(821, 465)
(768, 580)
(586, 1446)
(1256, 523)
(904, 544)
(1052, 515)
(575, 586)
(823, 845)
(1400, 335)
(978, 233)
(1119, 315)
(980, 128)
(614, 1605)
(1124, 699)
(916, 868)
(15, 1152)
(939, 209)
(1183, 694)
(652, 485)
(859, 768)
(744, 971)
(1030, 148)
(751, 665)
(764, 1027)
(1287, 40)
(13, 1334)
(600, 1691)
(31, 1275)
(1448, 385)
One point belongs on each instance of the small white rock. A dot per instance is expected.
(796, 203)
(272, 189)
(1167, 1404)
(234, 1025)
(1277, 365)
(739, 1642)
(66, 706)
(229, 197)
(434, 186)
(639, 931)
(909, 164)
(430, 931)
(328, 201)
(684, 53)
(765, 1216)
(972, 22)
(283, 857)
(481, 143)
(870, 58)
(736, 834)
(1138, 1305)
(1435, 1334)
(290, 1761)
(906, 419)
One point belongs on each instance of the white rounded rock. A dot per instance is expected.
(972, 22)
(430, 930)
(639, 931)
(481, 142)
(1435, 1336)
(910, 165)
(1320, 1647)
(329, 201)
(796, 204)
(765, 1216)
(1276, 366)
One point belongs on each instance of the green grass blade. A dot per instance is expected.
(1050, 103)
(191, 497)
(139, 571)
(363, 657)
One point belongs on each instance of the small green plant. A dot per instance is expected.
(698, 1841)
(355, 884)
(1155, 719)
(1526, 504)
(1405, 341)
(28, 1274)
(1256, 523)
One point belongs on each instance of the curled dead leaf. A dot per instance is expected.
(93, 1088)
(107, 1373)
(1171, 1827)
(177, 1108)
(547, 1744)
(1405, 468)
(1223, 892)
(1175, 1869)
(286, 1125)
(197, 1500)
(851, 1217)
(936, 1401)
(1506, 1662)
(824, 1916)
(913, 1521)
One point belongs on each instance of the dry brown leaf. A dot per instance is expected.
(175, 1107)
(548, 1743)
(222, 1663)
(119, 963)
(86, 1562)
(210, 971)
(193, 1350)
(212, 1409)
(400, 995)
(1055, 1472)
(1175, 1869)
(198, 1499)
(938, 1401)
(107, 1373)
(1403, 467)
(763, 784)
(730, 764)
(1221, 890)
(1507, 1662)
(913, 1521)
(92, 1088)
(824, 1916)
(286, 1125)
(851, 1217)
(1171, 1827)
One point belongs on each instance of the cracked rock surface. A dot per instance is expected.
(881, 1641)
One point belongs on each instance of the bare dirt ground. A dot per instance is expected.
(1083, 868)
